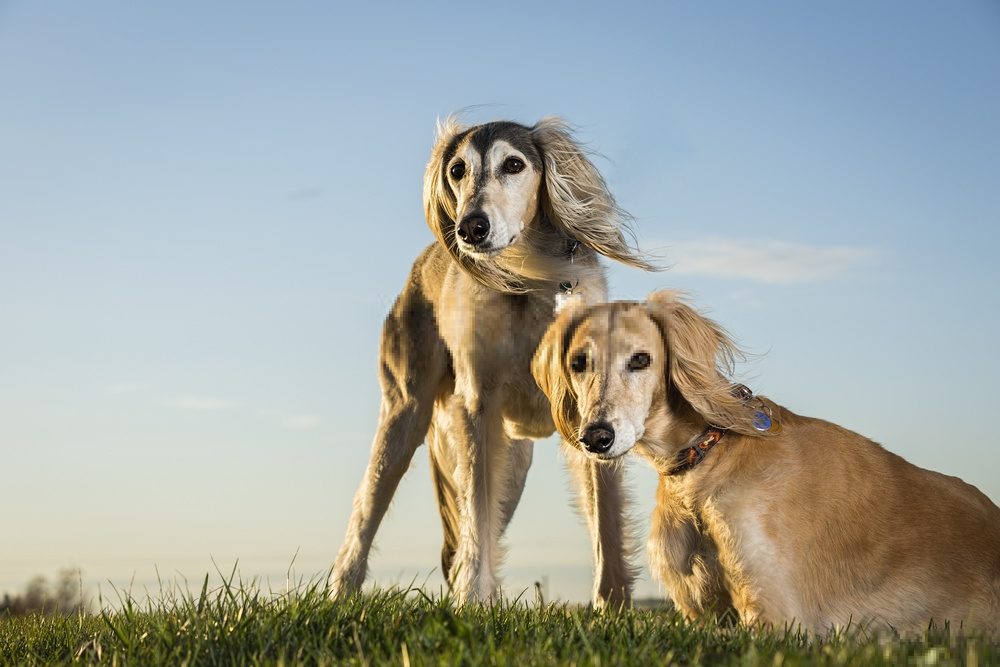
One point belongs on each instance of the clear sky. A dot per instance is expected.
(206, 210)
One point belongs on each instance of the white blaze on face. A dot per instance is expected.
(621, 354)
(503, 186)
(511, 199)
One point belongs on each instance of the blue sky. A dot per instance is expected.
(206, 211)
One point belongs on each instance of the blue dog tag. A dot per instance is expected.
(761, 421)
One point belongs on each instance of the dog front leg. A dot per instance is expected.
(684, 560)
(481, 465)
(601, 492)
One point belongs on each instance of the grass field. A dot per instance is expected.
(240, 625)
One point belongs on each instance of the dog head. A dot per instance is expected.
(491, 188)
(491, 175)
(618, 373)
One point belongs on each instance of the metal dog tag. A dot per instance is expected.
(762, 421)
(567, 296)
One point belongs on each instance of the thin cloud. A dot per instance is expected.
(299, 421)
(291, 421)
(769, 262)
(188, 402)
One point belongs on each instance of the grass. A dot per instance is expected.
(240, 625)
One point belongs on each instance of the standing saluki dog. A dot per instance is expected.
(520, 214)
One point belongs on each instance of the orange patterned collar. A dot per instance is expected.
(695, 454)
(691, 456)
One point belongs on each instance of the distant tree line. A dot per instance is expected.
(38, 597)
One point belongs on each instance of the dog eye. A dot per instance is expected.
(513, 165)
(639, 361)
(578, 364)
(457, 170)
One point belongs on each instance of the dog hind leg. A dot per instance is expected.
(399, 434)
(413, 364)
(442, 463)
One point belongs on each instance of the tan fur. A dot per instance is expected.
(816, 525)
(574, 199)
(457, 346)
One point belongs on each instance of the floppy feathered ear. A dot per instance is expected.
(577, 199)
(551, 376)
(701, 358)
(440, 203)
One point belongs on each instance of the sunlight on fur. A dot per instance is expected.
(773, 517)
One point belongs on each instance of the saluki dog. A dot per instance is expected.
(520, 215)
(760, 512)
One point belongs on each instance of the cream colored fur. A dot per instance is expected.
(816, 525)
(457, 347)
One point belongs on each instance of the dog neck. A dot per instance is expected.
(671, 426)
(547, 260)
(678, 438)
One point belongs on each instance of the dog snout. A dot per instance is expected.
(473, 228)
(598, 438)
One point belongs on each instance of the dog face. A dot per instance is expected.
(618, 373)
(488, 179)
(495, 174)
(603, 370)
(615, 362)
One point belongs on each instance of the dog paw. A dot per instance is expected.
(470, 586)
(616, 598)
(344, 581)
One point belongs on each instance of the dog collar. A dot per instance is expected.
(763, 420)
(567, 293)
(695, 454)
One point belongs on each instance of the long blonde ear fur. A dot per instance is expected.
(551, 376)
(701, 359)
(578, 200)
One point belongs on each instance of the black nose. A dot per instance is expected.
(473, 228)
(598, 438)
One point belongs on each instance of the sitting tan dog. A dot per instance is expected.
(759, 511)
